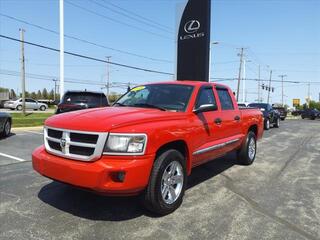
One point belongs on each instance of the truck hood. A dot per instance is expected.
(105, 119)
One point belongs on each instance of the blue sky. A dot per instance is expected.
(284, 35)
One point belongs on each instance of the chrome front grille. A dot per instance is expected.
(77, 145)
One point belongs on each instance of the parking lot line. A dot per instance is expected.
(12, 157)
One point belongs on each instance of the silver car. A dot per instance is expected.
(30, 104)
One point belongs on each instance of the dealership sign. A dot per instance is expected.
(193, 53)
(296, 102)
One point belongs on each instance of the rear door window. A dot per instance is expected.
(225, 99)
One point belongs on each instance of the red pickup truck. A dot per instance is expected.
(148, 142)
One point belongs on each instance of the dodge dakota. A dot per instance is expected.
(149, 141)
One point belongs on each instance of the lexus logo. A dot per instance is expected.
(63, 143)
(192, 26)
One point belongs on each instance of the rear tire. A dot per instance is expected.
(167, 183)
(247, 153)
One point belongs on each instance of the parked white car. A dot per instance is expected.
(30, 104)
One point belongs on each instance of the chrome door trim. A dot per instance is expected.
(215, 147)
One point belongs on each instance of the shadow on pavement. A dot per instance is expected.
(10, 135)
(96, 207)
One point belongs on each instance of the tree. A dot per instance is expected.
(51, 94)
(113, 96)
(314, 104)
(33, 95)
(45, 93)
(39, 94)
(13, 94)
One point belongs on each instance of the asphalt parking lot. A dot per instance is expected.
(278, 197)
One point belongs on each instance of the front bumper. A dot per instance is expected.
(98, 176)
(8, 105)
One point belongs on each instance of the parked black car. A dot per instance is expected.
(296, 112)
(271, 116)
(283, 112)
(5, 124)
(77, 100)
(310, 113)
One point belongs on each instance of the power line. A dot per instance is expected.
(115, 20)
(69, 80)
(137, 15)
(83, 40)
(132, 18)
(256, 79)
(88, 57)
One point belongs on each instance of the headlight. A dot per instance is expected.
(125, 144)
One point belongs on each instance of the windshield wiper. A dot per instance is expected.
(149, 106)
(120, 104)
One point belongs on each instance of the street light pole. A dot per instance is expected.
(239, 76)
(61, 22)
(210, 59)
(108, 76)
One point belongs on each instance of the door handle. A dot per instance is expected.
(218, 121)
(237, 118)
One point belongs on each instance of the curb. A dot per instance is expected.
(27, 128)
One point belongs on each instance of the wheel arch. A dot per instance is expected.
(253, 128)
(182, 147)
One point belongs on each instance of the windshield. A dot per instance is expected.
(85, 98)
(259, 105)
(174, 97)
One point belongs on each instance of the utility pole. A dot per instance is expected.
(23, 76)
(269, 89)
(61, 22)
(244, 81)
(309, 95)
(282, 76)
(108, 76)
(239, 76)
(259, 84)
(55, 89)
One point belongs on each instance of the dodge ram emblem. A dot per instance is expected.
(63, 143)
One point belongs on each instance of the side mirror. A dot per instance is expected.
(205, 108)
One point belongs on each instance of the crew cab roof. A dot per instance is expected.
(191, 83)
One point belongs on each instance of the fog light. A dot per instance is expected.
(118, 176)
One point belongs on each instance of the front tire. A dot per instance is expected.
(43, 108)
(19, 107)
(167, 183)
(247, 153)
(7, 129)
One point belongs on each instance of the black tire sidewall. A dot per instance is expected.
(155, 201)
(19, 107)
(267, 126)
(5, 133)
(43, 108)
(243, 154)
